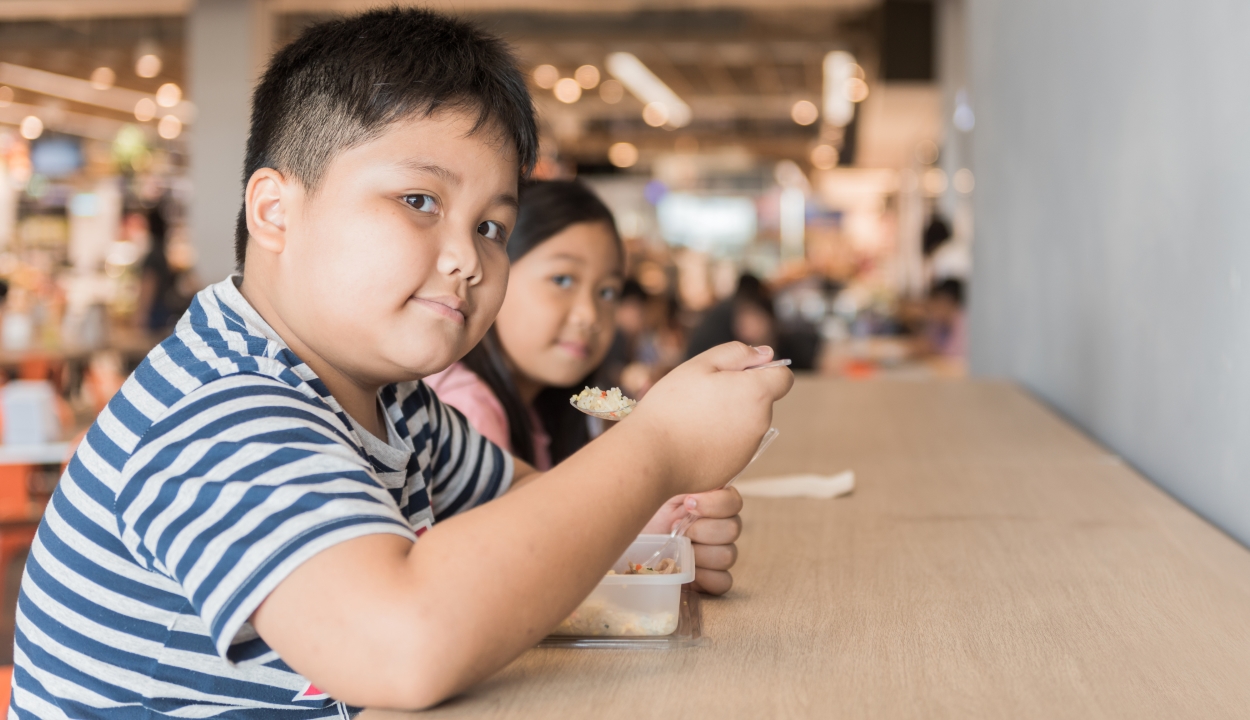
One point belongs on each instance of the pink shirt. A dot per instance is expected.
(461, 388)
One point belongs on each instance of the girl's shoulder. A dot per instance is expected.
(461, 388)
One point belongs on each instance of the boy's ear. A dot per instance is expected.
(266, 200)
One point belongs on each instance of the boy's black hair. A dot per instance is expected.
(344, 81)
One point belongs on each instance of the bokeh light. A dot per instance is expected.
(587, 76)
(102, 78)
(567, 90)
(623, 154)
(545, 76)
(655, 114)
(804, 112)
(168, 95)
(145, 109)
(148, 66)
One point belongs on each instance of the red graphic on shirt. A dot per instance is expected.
(311, 692)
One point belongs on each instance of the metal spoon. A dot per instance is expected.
(628, 406)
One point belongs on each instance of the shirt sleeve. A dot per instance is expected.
(466, 469)
(467, 393)
(236, 486)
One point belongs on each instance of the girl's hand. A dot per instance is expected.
(713, 534)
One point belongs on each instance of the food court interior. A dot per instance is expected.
(904, 193)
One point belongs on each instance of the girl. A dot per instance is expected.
(553, 331)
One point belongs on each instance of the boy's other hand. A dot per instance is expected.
(713, 534)
(707, 416)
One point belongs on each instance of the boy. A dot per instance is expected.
(238, 533)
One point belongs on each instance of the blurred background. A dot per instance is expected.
(838, 178)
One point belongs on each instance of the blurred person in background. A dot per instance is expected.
(649, 340)
(748, 316)
(553, 331)
(945, 331)
(161, 297)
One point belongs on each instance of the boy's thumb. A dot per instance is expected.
(737, 356)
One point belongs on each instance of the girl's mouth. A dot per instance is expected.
(578, 350)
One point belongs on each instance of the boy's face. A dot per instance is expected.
(396, 266)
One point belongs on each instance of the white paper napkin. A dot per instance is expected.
(821, 487)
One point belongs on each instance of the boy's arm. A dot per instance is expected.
(379, 621)
(523, 473)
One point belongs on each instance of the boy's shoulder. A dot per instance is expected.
(221, 345)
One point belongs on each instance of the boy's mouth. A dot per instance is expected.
(448, 306)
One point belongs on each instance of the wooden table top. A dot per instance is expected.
(992, 563)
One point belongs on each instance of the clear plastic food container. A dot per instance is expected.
(635, 605)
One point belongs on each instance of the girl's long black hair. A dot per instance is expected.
(547, 207)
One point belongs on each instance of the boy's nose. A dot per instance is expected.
(459, 258)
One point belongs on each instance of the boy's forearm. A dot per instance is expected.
(548, 542)
(522, 474)
(476, 590)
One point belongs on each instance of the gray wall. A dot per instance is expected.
(1112, 258)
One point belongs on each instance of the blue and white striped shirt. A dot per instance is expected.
(221, 465)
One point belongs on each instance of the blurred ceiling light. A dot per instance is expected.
(168, 95)
(567, 90)
(611, 92)
(545, 76)
(651, 90)
(623, 154)
(6, 95)
(964, 119)
(824, 157)
(587, 76)
(81, 91)
(145, 109)
(856, 90)
(148, 66)
(839, 69)
(933, 181)
(169, 127)
(102, 78)
(804, 112)
(655, 114)
(31, 127)
(857, 70)
(963, 181)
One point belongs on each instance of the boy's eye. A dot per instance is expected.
(422, 203)
(491, 230)
(610, 294)
(563, 281)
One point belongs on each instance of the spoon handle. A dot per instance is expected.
(774, 363)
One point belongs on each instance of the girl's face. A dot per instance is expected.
(558, 316)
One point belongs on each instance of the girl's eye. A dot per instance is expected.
(422, 203)
(610, 294)
(491, 230)
(563, 281)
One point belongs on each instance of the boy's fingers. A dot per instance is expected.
(721, 503)
(713, 582)
(736, 356)
(715, 557)
(715, 531)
